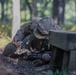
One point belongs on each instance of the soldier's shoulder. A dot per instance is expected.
(26, 25)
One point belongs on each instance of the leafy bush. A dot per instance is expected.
(5, 34)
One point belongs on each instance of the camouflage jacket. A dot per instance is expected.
(24, 31)
(25, 34)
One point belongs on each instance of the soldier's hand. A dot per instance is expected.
(46, 57)
(18, 43)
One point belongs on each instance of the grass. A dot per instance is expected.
(55, 73)
(5, 34)
(4, 41)
(69, 27)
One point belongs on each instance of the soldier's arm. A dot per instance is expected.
(20, 35)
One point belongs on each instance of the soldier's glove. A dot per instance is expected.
(46, 57)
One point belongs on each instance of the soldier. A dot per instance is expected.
(32, 37)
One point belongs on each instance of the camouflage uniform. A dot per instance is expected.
(34, 36)
(27, 34)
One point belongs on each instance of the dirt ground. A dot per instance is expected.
(22, 67)
(10, 66)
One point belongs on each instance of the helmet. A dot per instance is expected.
(36, 19)
(44, 26)
(34, 22)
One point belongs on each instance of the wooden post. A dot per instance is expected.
(16, 16)
(72, 60)
(65, 54)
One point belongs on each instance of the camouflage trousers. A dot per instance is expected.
(43, 69)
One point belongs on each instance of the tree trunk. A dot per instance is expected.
(44, 8)
(34, 9)
(2, 13)
(55, 10)
(75, 11)
(61, 11)
(7, 8)
(30, 9)
(58, 11)
(16, 16)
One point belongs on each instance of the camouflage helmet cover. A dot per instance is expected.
(44, 26)
(34, 22)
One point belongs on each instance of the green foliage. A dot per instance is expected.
(5, 30)
(44, 8)
(4, 41)
(5, 33)
(69, 12)
(64, 72)
(69, 27)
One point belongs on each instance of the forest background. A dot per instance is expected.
(62, 11)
